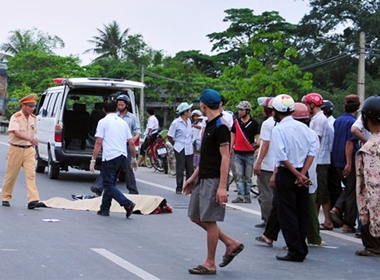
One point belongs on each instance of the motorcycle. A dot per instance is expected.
(157, 154)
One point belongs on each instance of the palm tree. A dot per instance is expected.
(110, 42)
(30, 40)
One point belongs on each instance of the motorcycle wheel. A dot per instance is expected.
(157, 164)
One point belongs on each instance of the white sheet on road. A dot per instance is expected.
(146, 204)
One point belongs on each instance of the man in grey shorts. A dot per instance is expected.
(208, 184)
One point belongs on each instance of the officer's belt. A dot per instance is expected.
(21, 146)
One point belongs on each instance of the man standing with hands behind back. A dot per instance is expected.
(21, 152)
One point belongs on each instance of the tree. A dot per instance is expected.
(234, 42)
(14, 105)
(30, 40)
(37, 69)
(137, 52)
(266, 78)
(205, 64)
(116, 69)
(331, 30)
(110, 43)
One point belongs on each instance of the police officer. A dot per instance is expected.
(21, 152)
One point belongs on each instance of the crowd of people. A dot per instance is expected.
(305, 160)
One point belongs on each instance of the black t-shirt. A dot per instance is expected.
(250, 129)
(216, 134)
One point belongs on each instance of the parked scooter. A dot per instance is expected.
(157, 154)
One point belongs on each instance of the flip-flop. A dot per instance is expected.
(262, 240)
(228, 258)
(323, 227)
(201, 270)
(366, 253)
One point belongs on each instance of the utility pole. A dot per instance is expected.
(142, 110)
(361, 67)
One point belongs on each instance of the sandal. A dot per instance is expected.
(201, 270)
(262, 240)
(228, 258)
(323, 227)
(366, 253)
(348, 230)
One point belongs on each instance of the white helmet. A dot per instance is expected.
(283, 103)
(244, 105)
(196, 112)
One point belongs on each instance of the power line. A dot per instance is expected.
(326, 61)
(170, 79)
(183, 82)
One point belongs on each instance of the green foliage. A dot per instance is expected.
(332, 28)
(110, 42)
(265, 76)
(118, 46)
(116, 69)
(244, 26)
(14, 106)
(30, 41)
(37, 70)
(256, 55)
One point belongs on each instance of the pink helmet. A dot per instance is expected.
(300, 111)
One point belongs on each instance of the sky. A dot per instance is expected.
(168, 25)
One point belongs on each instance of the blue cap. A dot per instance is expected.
(210, 97)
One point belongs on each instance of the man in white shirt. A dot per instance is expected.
(180, 135)
(320, 125)
(264, 166)
(111, 135)
(359, 131)
(333, 176)
(294, 150)
(151, 134)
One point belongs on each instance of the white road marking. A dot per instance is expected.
(124, 264)
(342, 236)
(244, 209)
(156, 185)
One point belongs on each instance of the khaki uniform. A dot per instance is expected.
(21, 153)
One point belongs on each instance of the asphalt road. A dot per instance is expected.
(83, 245)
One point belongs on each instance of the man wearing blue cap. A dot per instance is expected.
(180, 136)
(208, 184)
